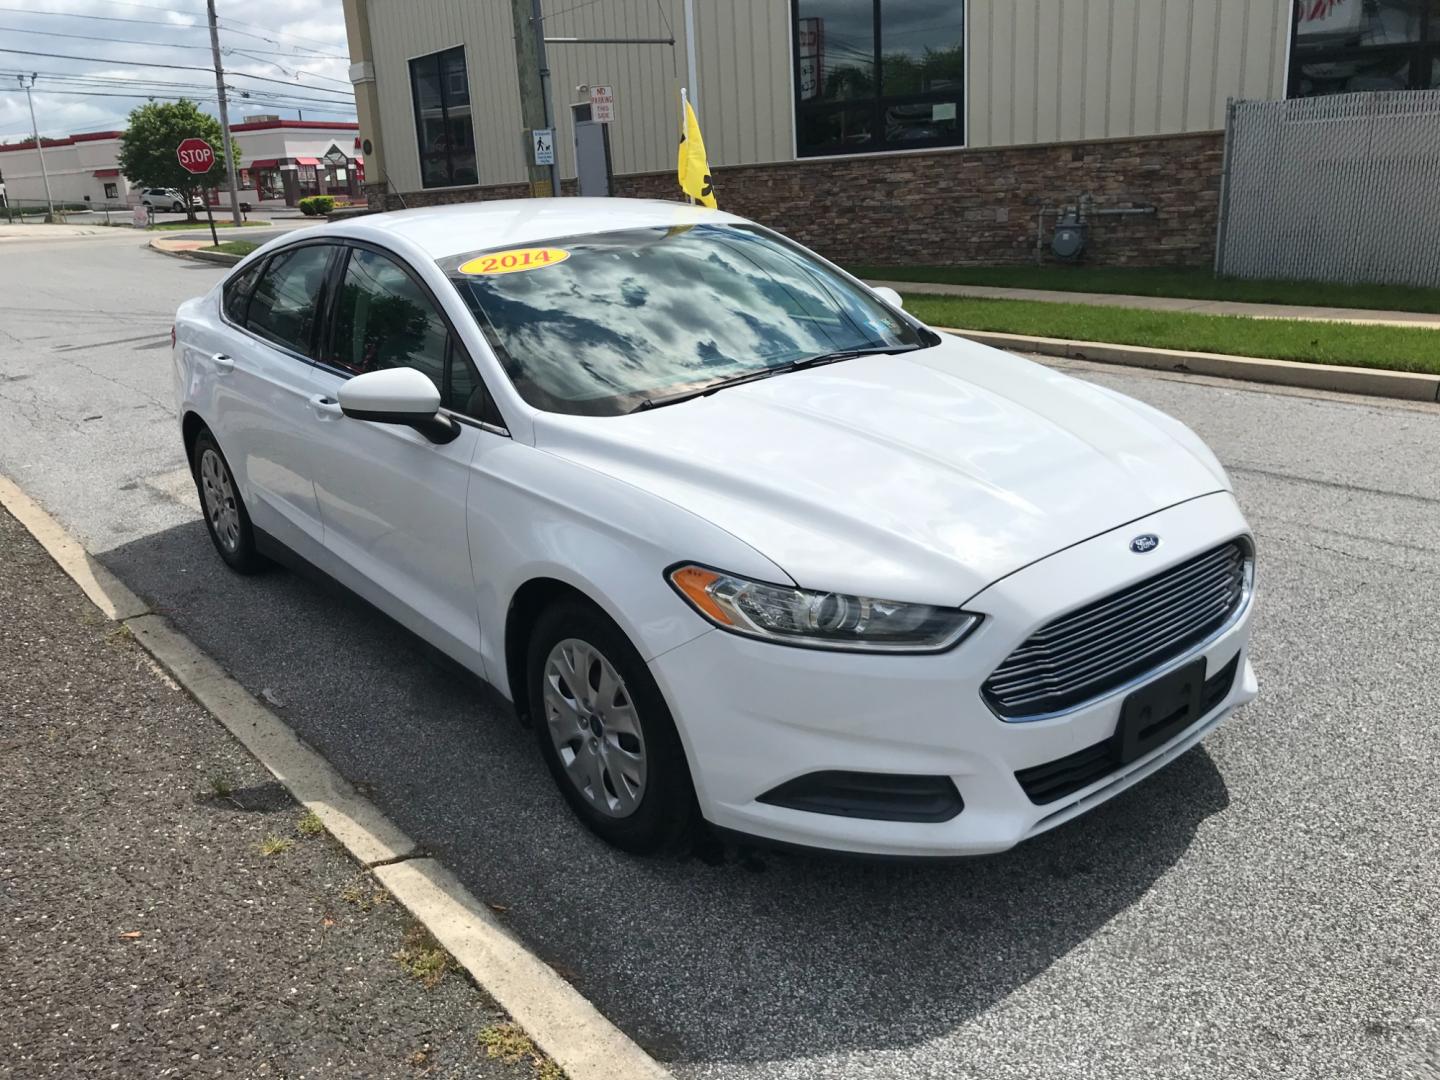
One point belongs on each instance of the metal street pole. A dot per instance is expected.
(224, 116)
(537, 17)
(691, 67)
(39, 147)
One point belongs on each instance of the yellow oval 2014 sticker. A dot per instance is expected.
(512, 262)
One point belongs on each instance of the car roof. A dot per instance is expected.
(443, 231)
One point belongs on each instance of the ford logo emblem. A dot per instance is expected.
(1144, 542)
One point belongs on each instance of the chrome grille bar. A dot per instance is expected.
(1098, 648)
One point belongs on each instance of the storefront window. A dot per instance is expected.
(876, 75)
(443, 127)
(1343, 46)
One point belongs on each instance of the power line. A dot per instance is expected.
(141, 88)
(171, 25)
(163, 44)
(237, 22)
(152, 96)
(172, 67)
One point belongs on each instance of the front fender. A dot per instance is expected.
(535, 515)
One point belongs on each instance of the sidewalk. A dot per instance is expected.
(165, 907)
(1162, 303)
(41, 231)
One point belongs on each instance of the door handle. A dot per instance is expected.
(223, 364)
(324, 408)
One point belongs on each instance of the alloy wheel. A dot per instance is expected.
(594, 727)
(219, 496)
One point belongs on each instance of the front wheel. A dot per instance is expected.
(226, 518)
(606, 733)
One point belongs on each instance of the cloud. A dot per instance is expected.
(110, 69)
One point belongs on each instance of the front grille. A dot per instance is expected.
(1104, 645)
(1055, 779)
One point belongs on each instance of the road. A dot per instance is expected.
(1264, 907)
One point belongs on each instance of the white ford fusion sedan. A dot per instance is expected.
(741, 539)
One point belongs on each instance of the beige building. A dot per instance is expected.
(907, 95)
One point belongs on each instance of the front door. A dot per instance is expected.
(392, 501)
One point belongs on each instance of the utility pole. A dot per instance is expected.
(534, 109)
(39, 148)
(224, 116)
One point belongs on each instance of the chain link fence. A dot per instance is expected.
(1342, 188)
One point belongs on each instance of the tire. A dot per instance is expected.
(226, 518)
(603, 736)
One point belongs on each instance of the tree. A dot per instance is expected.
(147, 149)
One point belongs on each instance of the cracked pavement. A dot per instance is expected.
(1265, 906)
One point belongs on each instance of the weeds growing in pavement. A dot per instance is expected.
(221, 788)
(421, 955)
(309, 824)
(364, 894)
(275, 845)
(508, 1044)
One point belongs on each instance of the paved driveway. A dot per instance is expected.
(1264, 907)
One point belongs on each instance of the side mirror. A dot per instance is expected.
(890, 296)
(398, 396)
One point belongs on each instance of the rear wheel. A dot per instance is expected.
(225, 516)
(606, 733)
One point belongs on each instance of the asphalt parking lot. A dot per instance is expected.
(1264, 907)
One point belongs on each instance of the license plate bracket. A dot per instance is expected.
(1160, 710)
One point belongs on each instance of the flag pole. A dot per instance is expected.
(684, 125)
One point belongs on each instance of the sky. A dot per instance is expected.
(299, 44)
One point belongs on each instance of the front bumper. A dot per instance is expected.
(754, 715)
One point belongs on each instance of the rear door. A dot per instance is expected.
(266, 386)
(394, 503)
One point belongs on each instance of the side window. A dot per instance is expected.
(384, 320)
(237, 293)
(286, 303)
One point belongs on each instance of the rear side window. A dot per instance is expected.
(286, 303)
(237, 293)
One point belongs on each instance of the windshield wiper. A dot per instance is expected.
(765, 373)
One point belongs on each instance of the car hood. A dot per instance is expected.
(921, 477)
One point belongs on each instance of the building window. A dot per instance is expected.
(877, 75)
(1341, 46)
(112, 192)
(443, 129)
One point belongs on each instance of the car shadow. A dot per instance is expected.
(730, 955)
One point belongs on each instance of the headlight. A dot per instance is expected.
(822, 620)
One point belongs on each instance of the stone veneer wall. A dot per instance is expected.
(957, 207)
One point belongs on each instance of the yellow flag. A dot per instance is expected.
(694, 166)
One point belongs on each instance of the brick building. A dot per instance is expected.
(880, 130)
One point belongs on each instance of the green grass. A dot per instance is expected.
(1185, 284)
(232, 247)
(176, 226)
(1392, 347)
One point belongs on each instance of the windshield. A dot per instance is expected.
(598, 324)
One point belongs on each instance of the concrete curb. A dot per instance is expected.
(1374, 382)
(218, 257)
(562, 1022)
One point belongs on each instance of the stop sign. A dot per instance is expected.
(195, 155)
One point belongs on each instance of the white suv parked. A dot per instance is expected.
(162, 199)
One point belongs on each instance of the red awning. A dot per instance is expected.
(107, 172)
(358, 159)
(268, 163)
(307, 161)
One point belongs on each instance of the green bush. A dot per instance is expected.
(317, 204)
